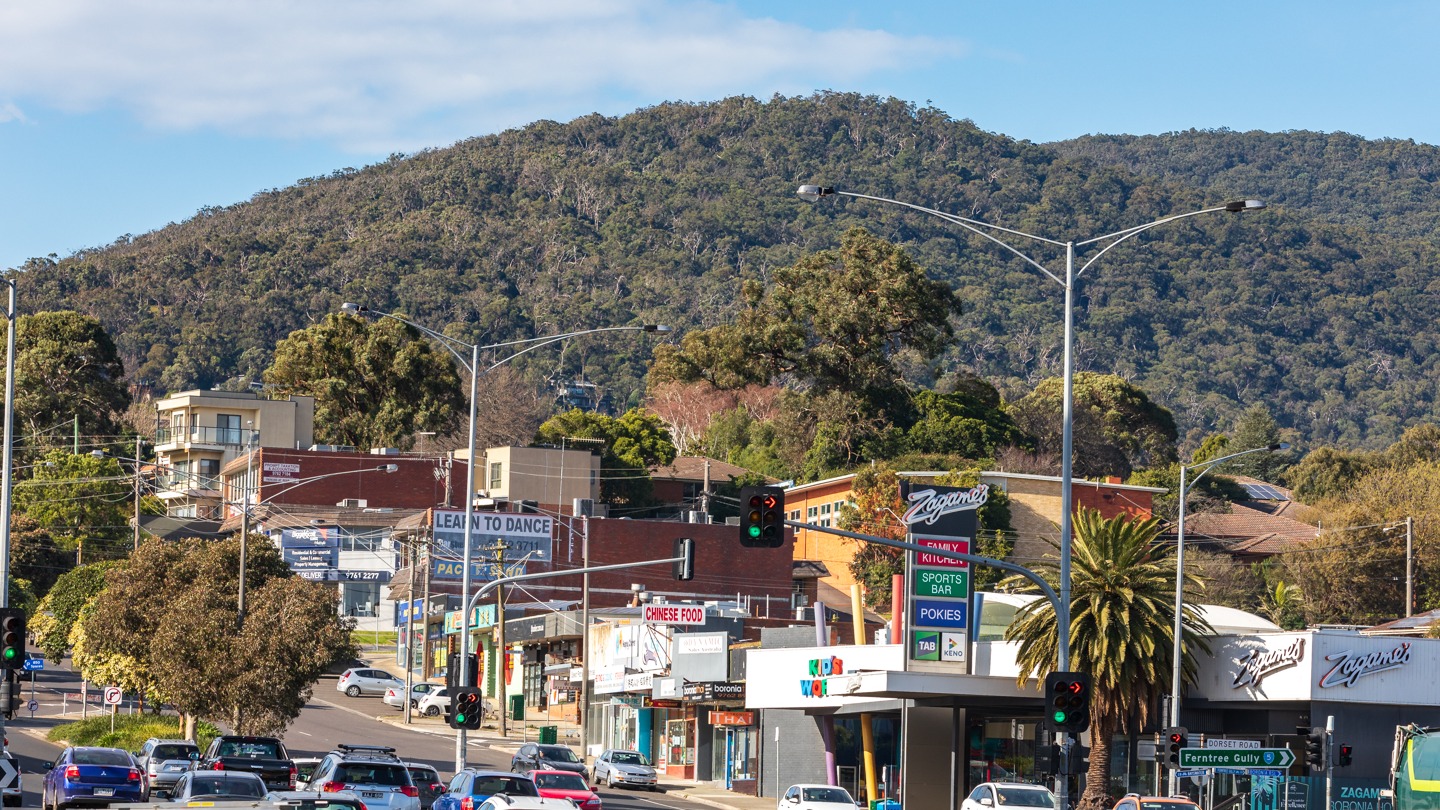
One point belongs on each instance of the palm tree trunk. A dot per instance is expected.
(1097, 779)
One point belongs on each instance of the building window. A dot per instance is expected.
(209, 471)
(227, 425)
(824, 508)
(497, 474)
(810, 513)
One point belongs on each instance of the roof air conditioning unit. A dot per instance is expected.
(353, 503)
(583, 507)
(696, 517)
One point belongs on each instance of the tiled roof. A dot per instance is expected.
(1249, 530)
(692, 468)
(1416, 625)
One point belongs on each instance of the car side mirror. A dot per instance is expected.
(987, 801)
(194, 756)
(47, 765)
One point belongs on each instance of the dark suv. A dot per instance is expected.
(265, 757)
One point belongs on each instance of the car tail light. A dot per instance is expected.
(332, 787)
(294, 774)
(218, 766)
(411, 791)
(437, 788)
(134, 774)
(72, 771)
(467, 803)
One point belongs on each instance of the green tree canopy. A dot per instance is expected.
(1256, 427)
(61, 607)
(375, 384)
(66, 366)
(630, 445)
(84, 502)
(1117, 427)
(1122, 586)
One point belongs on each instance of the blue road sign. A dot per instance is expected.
(1232, 771)
(1266, 772)
(33, 664)
(1184, 774)
(33, 705)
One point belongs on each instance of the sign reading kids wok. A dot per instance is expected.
(938, 598)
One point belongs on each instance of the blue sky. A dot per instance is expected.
(121, 116)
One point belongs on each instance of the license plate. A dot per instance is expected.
(371, 794)
(172, 768)
(104, 791)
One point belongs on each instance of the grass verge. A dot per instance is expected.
(131, 730)
(372, 638)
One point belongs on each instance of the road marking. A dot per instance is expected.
(306, 733)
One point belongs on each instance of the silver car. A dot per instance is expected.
(394, 695)
(367, 681)
(164, 762)
(632, 768)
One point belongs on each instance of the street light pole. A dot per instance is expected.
(473, 367)
(1175, 663)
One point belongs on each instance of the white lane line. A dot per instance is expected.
(306, 733)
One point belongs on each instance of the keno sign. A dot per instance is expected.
(674, 614)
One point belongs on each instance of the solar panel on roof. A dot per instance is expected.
(1264, 492)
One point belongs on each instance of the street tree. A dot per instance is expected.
(84, 503)
(66, 368)
(60, 609)
(375, 383)
(1121, 630)
(629, 446)
(874, 509)
(172, 612)
(1117, 427)
(1257, 428)
(35, 554)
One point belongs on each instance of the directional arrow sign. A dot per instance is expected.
(8, 774)
(1236, 757)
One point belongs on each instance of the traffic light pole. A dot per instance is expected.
(589, 569)
(1329, 759)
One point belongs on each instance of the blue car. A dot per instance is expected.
(471, 787)
(92, 777)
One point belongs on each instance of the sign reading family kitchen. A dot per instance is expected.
(939, 593)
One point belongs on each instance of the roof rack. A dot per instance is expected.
(350, 748)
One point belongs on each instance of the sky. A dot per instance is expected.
(121, 116)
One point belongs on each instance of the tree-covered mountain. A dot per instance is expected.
(1323, 307)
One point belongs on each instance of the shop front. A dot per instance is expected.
(547, 652)
(626, 661)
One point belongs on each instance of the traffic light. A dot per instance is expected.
(1175, 738)
(1345, 755)
(1075, 757)
(466, 709)
(1314, 746)
(762, 517)
(684, 568)
(1047, 757)
(12, 638)
(452, 671)
(10, 693)
(1067, 701)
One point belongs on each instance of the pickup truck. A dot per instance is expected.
(265, 757)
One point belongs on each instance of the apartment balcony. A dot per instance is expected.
(195, 437)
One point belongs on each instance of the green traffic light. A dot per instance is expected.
(459, 718)
(754, 531)
(1059, 717)
(9, 653)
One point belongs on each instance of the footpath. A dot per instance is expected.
(520, 732)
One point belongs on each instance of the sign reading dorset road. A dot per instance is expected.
(1236, 757)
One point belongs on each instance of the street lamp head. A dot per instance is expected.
(813, 193)
(354, 309)
(1279, 447)
(1235, 206)
(388, 468)
(657, 327)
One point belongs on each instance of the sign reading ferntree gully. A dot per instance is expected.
(942, 518)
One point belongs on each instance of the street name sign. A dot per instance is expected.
(1266, 772)
(1236, 757)
(1188, 774)
(1221, 742)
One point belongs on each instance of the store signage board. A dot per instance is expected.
(938, 609)
(1236, 758)
(674, 614)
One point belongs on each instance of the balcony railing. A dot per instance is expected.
(195, 434)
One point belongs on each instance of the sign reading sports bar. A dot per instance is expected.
(938, 592)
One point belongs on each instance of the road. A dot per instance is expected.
(328, 719)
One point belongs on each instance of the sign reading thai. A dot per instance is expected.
(732, 718)
(1350, 666)
(1261, 662)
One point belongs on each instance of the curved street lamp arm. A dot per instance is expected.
(975, 226)
(448, 342)
(1121, 236)
(544, 339)
(1214, 462)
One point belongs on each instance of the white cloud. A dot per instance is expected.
(378, 75)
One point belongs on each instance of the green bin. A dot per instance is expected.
(549, 734)
(517, 707)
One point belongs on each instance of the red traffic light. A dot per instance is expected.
(1177, 738)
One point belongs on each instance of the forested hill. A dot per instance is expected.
(1325, 308)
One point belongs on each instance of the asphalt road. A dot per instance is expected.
(328, 719)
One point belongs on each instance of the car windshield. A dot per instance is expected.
(1024, 797)
(509, 785)
(163, 752)
(424, 776)
(222, 785)
(373, 773)
(558, 753)
(562, 781)
(253, 749)
(100, 756)
(826, 794)
(629, 758)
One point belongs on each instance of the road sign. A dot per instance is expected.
(33, 664)
(8, 774)
(1221, 742)
(33, 705)
(113, 695)
(1236, 758)
(1266, 772)
(1187, 774)
(1232, 771)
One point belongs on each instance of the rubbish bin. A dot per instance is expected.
(517, 707)
(549, 734)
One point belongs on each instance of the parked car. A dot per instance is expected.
(314, 800)
(1009, 794)
(427, 779)
(163, 762)
(364, 681)
(534, 756)
(16, 790)
(816, 797)
(435, 702)
(217, 786)
(566, 785)
(617, 767)
(265, 757)
(470, 787)
(304, 766)
(394, 695)
(372, 772)
(91, 776)
(341, 666)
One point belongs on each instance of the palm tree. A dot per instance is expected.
(1283, 605)
(1122, 586)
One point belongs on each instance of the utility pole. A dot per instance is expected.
(137, 492)
(245, 520)
(1409, 565)
(584, 696)
(501, 657)
(5, 487)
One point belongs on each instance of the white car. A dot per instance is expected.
(434, 703)
(991, 795)
(417, 691)
(816, 797)
(615, 767)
